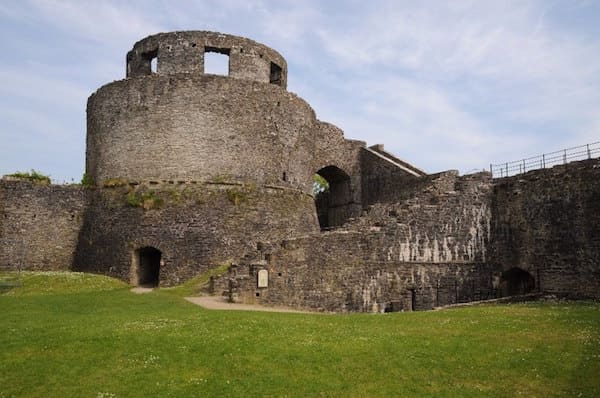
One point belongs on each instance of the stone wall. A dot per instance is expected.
(196, 227)
(198, 170)
(444, 218)
(547, 223)
(383, 181)
(424, 251)
(42, 221)
(350, 271)
(198, 127)
(184, 52)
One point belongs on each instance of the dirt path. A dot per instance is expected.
(141, 290)
(219, 303)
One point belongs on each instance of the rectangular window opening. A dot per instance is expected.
(216, 61)
(151, 61)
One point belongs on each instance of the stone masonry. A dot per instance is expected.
(190, 171)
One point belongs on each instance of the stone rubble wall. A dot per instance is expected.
(196, 227)
(342, 271)
(547, 222)
(42, 222)
(426, 251)
(199, 127)
(445, 218)
(214, 169)
(184, 52)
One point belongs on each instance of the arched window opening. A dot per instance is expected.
(333, 196)
(515, 282)
(148, 266)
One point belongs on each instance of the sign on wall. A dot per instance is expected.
(263, 278)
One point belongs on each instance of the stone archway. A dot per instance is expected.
(515, 282)
(146, 265)
(334, 204)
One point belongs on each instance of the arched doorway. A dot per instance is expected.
(333, 199)
(515, 282)
(147, 266)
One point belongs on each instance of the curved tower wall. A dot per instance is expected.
(201, 167)
(180, 124)
(199, 127)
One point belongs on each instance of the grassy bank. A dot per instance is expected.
(89, 336)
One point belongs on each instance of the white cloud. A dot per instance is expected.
(28, 85)
(99, 21)
(470, 75)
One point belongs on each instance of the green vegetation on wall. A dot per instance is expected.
(320, 184)
(86, 180)
(33, 176)
(147, 200)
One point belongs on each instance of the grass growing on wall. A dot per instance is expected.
(33, 176)
(78, 336)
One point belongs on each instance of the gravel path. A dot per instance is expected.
(219, 303)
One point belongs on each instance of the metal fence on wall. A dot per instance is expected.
(545, 160)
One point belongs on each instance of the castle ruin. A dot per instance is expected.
(191, 171)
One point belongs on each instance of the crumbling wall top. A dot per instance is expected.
(184, 52)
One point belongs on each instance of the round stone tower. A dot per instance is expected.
(195, 169)
(180, 124)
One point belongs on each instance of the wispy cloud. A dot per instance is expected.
(99, 21)
(472, 74)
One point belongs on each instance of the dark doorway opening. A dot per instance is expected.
(515, 282)
(333, 197)
(148, 266)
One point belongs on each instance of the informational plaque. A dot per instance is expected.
(263, 278)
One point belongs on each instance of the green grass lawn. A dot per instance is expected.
(77, 335)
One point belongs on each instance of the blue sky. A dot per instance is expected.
(442, 84)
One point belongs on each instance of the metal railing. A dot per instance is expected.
(545, 160)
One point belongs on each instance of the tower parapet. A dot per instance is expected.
(183, 52)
